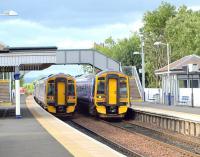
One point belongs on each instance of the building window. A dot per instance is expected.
(194, 84)
(182, 83)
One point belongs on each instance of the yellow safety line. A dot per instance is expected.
(4, 81)
(75, 142)
(137, 100)
(6, 104)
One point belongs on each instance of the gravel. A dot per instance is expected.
(133, 141)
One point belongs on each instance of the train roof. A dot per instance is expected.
(59, 74)
(85, 76)
(53, 75)
(105, 71)
(88, 76)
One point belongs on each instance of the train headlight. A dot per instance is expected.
(100, 96)
(50, 99)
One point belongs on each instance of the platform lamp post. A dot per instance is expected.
(168, 70)
(17, 92)
(143, 72)
(9, 13)
(143, 63)
(16, 75)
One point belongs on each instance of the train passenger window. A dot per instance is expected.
(70, 90)
(123, 89)
(51, 89)
(101, 87)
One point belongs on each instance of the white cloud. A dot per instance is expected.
(75, 44)
(195, 8)
(18, 32)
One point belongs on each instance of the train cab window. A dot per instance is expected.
(101, 78)
(51, 89)
(101, 87)
(70, 81)
(70, 90)
(123, 89)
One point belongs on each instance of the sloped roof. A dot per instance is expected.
(179, 64)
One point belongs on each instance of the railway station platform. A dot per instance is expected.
(182, 119)
(26, 137)
(39, 133)
(178, 111)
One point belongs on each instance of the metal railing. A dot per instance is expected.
(132, 72)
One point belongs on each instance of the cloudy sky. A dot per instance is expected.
(73, 23)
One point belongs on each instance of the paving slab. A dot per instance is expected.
(25, 137)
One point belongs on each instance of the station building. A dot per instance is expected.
(183, 82)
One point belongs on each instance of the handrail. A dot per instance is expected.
(133, 73)
(137, 79)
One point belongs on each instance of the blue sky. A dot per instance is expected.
(74, 24)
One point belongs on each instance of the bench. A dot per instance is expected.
(184, 100)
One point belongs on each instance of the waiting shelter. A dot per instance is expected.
(183, 82)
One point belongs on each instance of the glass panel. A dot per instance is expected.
(194, 84)
(51, 89)
(182, 83)
(101, 78)
(70, 81)
(101, 87)
(123, 90)
(70, 90)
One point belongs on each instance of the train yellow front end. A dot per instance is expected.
(111, 96)
(59, 94)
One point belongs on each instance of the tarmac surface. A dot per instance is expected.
(25, 137)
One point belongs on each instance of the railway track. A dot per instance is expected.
(104, 140)
(186, 142)
(187, 146)
(124, 139)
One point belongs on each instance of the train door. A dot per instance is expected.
(61, 93)
(112, 88)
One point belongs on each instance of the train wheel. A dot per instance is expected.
(92, 109)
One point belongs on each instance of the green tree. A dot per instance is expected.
(183, 33)
(122, 50)
(154, 30)
(22, 80)
(180, 28)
